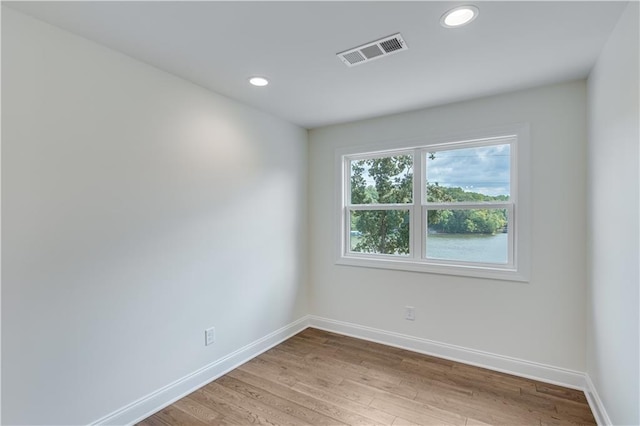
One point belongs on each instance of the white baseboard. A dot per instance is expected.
(518, 367)
(597, 408)
(155, 401)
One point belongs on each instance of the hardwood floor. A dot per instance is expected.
(321, 378)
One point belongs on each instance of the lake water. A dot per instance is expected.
(464, 247)
(468, 247)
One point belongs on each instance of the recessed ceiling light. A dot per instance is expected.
(459, 16)
(258, 81)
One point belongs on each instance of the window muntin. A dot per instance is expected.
(489, 201)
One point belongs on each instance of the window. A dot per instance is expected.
(381, 194)
(457, 206)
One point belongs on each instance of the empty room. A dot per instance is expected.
(320, 213)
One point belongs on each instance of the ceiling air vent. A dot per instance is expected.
(374, 50)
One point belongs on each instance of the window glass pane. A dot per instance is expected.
(380, 232)
(473, 235)
(382, 180)
(469, 174)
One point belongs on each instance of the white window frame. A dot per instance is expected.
(518, 207)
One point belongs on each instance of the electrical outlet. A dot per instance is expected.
(209, 336)
(409, 313)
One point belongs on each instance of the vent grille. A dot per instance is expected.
(354, 57)
(374, 50)
(391, 45)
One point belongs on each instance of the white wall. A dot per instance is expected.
(540, 321)
(138, 209)
(614, 250)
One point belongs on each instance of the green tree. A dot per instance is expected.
(470, 221)
(437, 194)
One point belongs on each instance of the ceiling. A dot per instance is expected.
(218, 45)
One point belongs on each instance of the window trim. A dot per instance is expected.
(519, 236)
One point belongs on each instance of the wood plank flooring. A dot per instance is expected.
(321, 378)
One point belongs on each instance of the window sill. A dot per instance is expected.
(410, 265)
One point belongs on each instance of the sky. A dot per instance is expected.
(484, 169)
